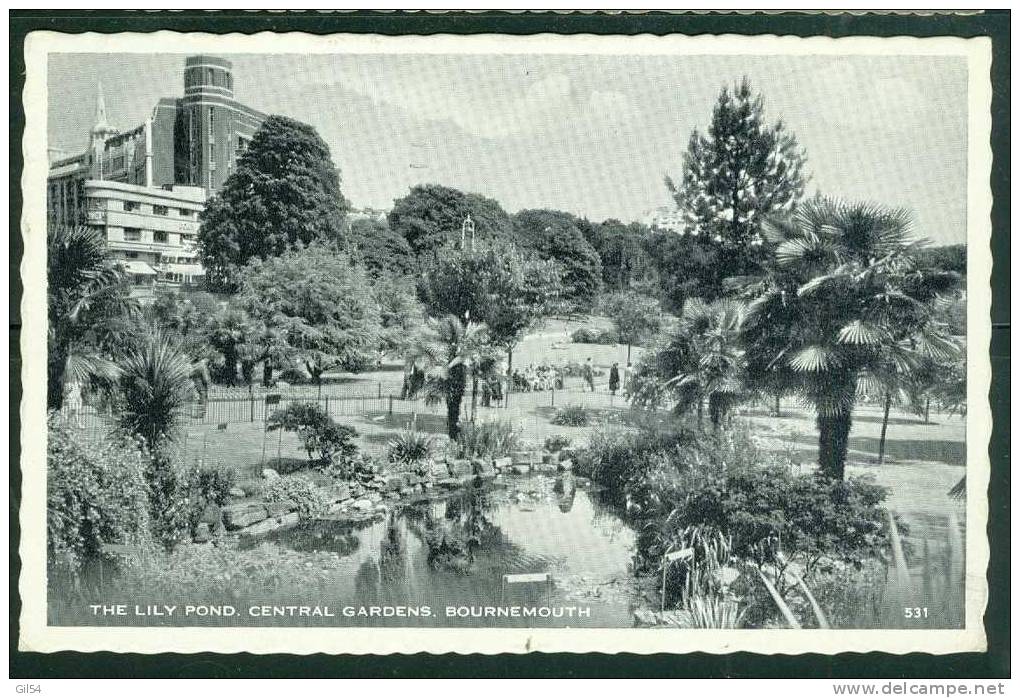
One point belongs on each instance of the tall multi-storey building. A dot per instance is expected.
(145, 186)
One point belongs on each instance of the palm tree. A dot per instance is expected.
(842, 303)
(86, 295)
(440, 362)
(703, 358)
(158, 378)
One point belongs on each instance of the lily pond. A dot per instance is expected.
(542, 543)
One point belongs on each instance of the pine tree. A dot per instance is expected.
(741, 171)
(285, 194)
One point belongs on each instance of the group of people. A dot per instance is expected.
(492, 391)
(588, 374)
(535, 378)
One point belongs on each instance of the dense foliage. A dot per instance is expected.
(555, 236)
(636, 317)
(321, 305)
(310, 500)
(96, 493)
(284, 194)
(431, 216)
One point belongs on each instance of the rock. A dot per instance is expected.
(211, 515)
(202, 533)
(502, 463)
(363, 505)
(236, 492)
(241, 515)
(374, 497)
(407, 491)
(440, 470)
(520, 469)
(566, 465)
(460, 467)
(395, 482)
(482, 468)
(522, 457)
(644, 617)
(339, 493)
(548, 457)
(270, 524)
(270, 474)
(449, 483)
(280, 508)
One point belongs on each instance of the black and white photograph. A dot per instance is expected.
(572, 339)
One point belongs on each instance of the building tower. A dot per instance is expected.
(99, 133)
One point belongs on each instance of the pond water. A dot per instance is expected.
(454, 552)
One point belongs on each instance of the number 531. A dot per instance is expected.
(915, 612)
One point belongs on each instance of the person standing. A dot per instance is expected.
(589, 374)
(614, 378)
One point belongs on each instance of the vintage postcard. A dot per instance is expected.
(374, 344)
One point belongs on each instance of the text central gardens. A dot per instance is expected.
(300, 611)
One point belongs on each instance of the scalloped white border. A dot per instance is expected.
(37, 636)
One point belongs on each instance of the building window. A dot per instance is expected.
(132, 234)
(131, 206)
(131, 255)
(159, 210)
(160, 237)
(185, 212)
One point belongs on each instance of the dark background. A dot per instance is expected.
(994, 663)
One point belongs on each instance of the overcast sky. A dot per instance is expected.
(589, 134)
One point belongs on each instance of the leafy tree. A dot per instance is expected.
(228, 332)
(947, 258)
(500, 285)
(285, 193)
(321, 304)
(841, 302)
(441, 362)
(157, 380)
(400, 314)
(621, 248)
(554, 235)
(686, 266)
(318, 432)
(636, 317)
(701, 359)
(430, 216)
(86, 296)
(734, 176)
(379, 249)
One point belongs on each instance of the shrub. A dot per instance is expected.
(316, 429)
(573, 416)
(95, 493)
(595, 335)
(493, 439)
(174, 496)
(214, 484)
(619, 462)
(411, 448)
(557, 442)
(310, 499)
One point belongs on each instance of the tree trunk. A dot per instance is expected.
(833, 434)
(267, 373)
(699, 412)
(509, 376)
(474, 396)
(715, 411)
(454, 395)
(628, 352)
(927, 410)
(777, 413)
(885, 427)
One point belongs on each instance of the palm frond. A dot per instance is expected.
(814, 359)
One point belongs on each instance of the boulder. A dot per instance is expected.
(408, 491)
(338, 493)
(566, 465)
(280, 508)
(522, 457)
(645, 618)
(236, 493)
(502, 463)
(202, 533)
(211, 515)
(449, 483)
(440, 469)
(363, 505)
(520, 469)
(270, 524)
(395, 482)
(483, 469)
(241, 515)
(461, 467)
(270, 474)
